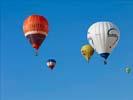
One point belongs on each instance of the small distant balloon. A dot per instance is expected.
(51, 63)
(87, 51)
(128, 70)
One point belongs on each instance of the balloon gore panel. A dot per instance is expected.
(36, 40)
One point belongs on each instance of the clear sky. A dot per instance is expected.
(26, 77)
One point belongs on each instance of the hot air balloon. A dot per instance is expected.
(35, 28)
(103, 37)
(87, 51)
(51, 63)
(128, 70)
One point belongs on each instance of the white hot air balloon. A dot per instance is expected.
(103, 37)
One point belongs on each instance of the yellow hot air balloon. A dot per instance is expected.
(87, 51)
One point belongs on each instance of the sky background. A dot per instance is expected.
(26, 77)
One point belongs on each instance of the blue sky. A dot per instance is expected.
(22, 76)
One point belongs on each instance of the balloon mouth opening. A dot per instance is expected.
(105, 55)
(35, 46)
(51, 67)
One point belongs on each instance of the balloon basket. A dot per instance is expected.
(36, 52)
(105, 62)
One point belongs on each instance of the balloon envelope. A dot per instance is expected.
(87, 51)
(51, 63)
(103, 37)
(128, 70)
(35, 28)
